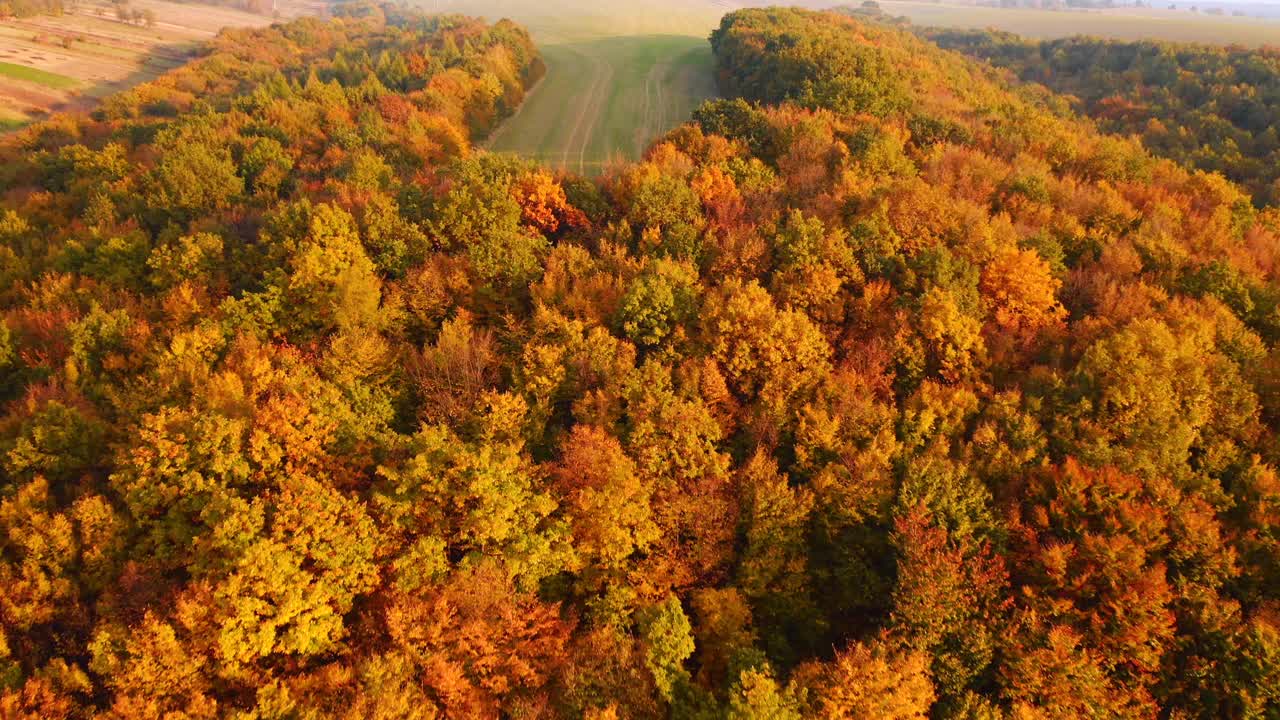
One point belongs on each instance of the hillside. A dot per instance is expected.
(1210, 107)
(1045, 299)
(882, 389)
(64, 58)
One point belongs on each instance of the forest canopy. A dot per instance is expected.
(883, 388)
(1209, 107)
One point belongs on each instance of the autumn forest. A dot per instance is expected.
(897, 383)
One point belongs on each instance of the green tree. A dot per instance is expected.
(668, 641)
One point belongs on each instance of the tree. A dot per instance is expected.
(947, 600)
(606, 676)
(869, 680)
(331, 282)
(1061, 679)
(663, 210)
(478, 642)
(845, 445)
(772, 569)
(288, 592)
(1092, 574)
(456, 371)
(1143, 396)
(1022, 291)
(266, 166)
(608, 506)
(668, 642)
(673, 438)
(55, 440)
(39, 586)
(723, 632)
(152, 672)
(195, 174)
(480, 497)
(757, 696)
(658, 303)
(770, 356)
(544, 205)
(951, 337)
(481, 216)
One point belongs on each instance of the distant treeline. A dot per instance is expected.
(29, 8)
(1211, 108)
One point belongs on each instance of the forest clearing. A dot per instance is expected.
(615, 80)
(607, 100)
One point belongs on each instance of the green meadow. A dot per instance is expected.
(608, 99)
(618, 76)
(42, 77)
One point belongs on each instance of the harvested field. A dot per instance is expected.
(51, 64)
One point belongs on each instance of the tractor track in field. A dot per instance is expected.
(588, 115)
(655, 100)
(606, 99)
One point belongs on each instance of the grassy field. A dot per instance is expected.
(557, 22)
(10, 121)
(618, 75)
(38, 76)
(608, 99)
